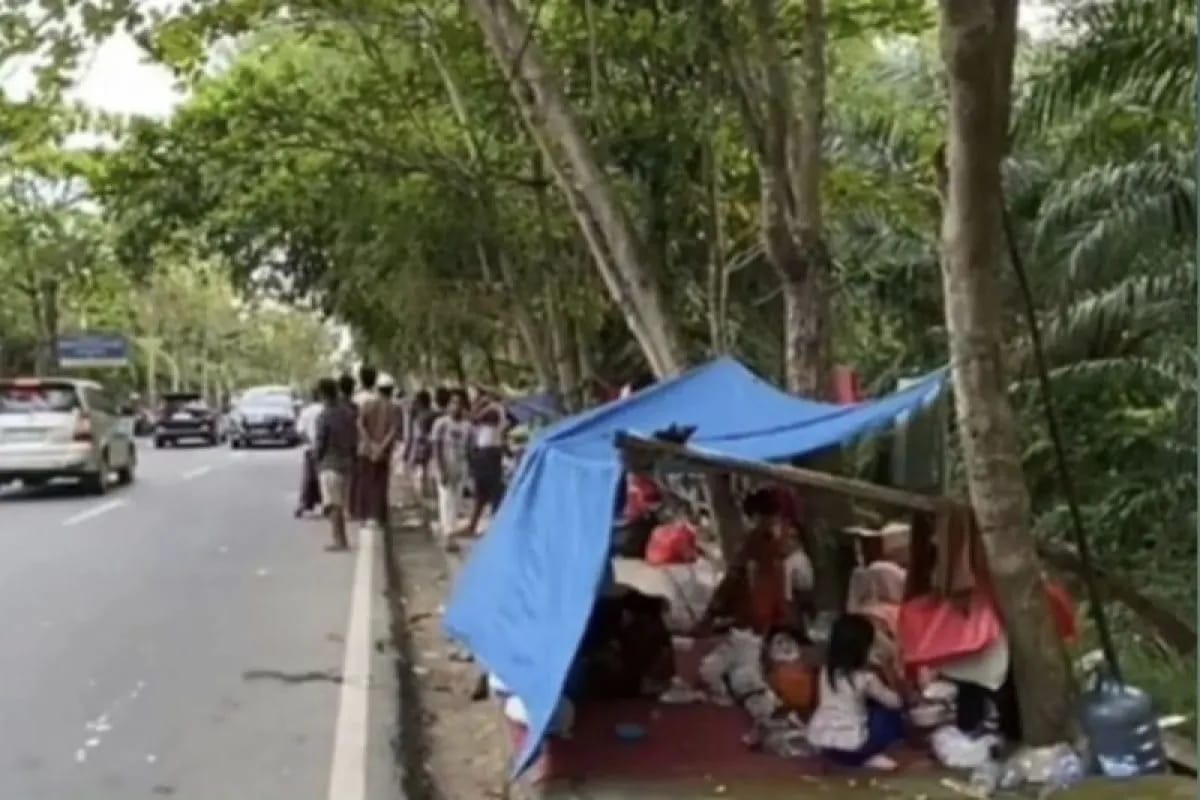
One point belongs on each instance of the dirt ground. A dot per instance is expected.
(461, 756)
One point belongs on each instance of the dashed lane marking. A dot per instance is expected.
(93, 512)
(198, 472)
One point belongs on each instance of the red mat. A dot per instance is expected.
(681, 741)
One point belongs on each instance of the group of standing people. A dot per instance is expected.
(367, 446)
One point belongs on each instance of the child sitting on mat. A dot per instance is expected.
(857, 718)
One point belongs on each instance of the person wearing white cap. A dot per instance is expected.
(376, 432)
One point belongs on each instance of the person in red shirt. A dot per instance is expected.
(753, 594)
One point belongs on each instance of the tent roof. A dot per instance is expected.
(523, 599)
(533, 406)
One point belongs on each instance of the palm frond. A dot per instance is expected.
(1098, 222)
(1107, 329)
(1116, 51)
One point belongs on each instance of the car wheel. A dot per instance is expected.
(125, 474)
(235, 444)
(97, 483)
(159, 444)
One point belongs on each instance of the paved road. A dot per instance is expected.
(186, 638)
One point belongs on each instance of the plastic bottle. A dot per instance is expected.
(1122, 730)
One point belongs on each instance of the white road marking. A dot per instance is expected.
(198, 472)
(93, 512)
(348, 778)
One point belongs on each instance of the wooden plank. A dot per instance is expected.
(642, 453)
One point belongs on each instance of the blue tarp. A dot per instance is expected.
(523, 598)
(543, 405)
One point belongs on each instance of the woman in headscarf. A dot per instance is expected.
(876, 592)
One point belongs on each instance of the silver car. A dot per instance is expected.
(63, 428)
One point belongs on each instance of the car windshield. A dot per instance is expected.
(271, 403)
(189, 403)
(267, 392)
(35, 398)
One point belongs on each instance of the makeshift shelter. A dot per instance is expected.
(538, 407)
(524, 597)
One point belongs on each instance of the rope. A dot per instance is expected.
(1060, 459)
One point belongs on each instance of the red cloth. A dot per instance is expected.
(789, 505)
(933, 630)
(643, 496)
(846, 387)
(766, 602)
(1062, 608)
(672, 543)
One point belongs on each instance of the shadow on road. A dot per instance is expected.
(55, 490)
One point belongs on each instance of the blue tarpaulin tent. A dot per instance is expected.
(524, 596)
(540, 406)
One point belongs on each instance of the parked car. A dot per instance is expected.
(260, 418)
(63, 428)
(185, 415)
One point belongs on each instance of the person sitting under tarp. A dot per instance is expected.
(626, 650)
(753, 593)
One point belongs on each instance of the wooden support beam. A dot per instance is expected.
(642, 454)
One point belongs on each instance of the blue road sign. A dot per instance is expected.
(93, 350)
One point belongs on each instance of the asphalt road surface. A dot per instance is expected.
(186, 638)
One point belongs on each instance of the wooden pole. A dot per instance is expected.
(642, 453)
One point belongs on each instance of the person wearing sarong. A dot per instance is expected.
(376, 429)
(486, 460)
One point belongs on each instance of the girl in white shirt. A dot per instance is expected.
(857, 717)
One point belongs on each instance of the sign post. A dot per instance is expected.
(93, 350)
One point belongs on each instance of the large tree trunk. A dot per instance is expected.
(978, 59)
(618, 252)
(790, 165)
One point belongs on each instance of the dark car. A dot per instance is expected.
(184, 416)
(264, 419)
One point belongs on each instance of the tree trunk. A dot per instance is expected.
(603, 219)
(808, 349)
(616, 248)
(974, 35)
(562, 345)
(788, 147)
(46, 304)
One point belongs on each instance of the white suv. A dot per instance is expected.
(63, 428)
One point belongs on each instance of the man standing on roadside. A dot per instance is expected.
(336, 449)
(310, 489)
(376, 430)
(451, 441)
(418, 449)
(486, 457)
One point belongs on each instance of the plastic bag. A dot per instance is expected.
(672, 543)
(956, 750)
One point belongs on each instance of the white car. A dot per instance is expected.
(63, 428)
